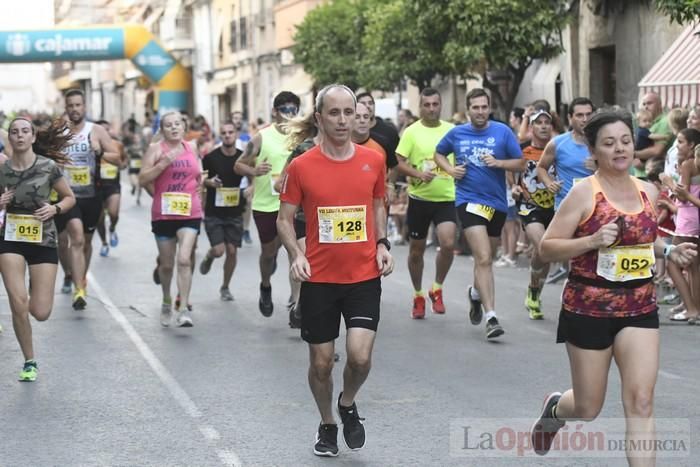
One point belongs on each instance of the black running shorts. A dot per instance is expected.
(493, 226)
(33, 254)
(88, 210)
(587, 332)
(421, 213)
(323, 304)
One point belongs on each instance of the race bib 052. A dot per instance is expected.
(626, 263)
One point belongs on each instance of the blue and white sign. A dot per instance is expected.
(153, 61)
(58, 45)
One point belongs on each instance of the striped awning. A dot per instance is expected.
(676, 76)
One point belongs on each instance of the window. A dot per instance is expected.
(234, 35)
(244, 34)
(244, 100)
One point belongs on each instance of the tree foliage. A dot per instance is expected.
(328, 43)
(401, 43)
(377, 43)
(680, 11)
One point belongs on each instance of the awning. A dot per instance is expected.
(676, 76)
(544, 84)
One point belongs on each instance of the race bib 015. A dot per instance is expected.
(23, 228)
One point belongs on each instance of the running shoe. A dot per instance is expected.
(29, 372)
(166, 314)
(418, 311)
(436, 301)
(557, 275)
(246, 237)
(67, 285)
(353, 429)
(326, 440)
(79, 301)
(546, 427)
(670, 299)
(294, 317)
(113, 239)
(225, 294)
(476, 314)
(505, 262)
(265, 301)
(533, 305)
(104, 251)
(493, 328)
(205, 265)
(183, 318)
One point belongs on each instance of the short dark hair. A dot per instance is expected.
(657, 166)
(228, 122)
(580, 101)
(74, 92)
(691, 135)
(605, 117)
(427, 92)
(102, 122)
(286, 97)
(518, 112)
(477, 92)
(364, 94)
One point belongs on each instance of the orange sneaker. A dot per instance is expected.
(418, 311)
(436, 301)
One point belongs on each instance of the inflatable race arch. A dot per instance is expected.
(94, 43)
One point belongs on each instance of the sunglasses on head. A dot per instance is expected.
(288, 109)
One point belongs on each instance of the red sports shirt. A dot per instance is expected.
(338, 201)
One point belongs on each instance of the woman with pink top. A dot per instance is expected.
(173, 170)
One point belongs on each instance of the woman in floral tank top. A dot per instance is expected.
(606, 227)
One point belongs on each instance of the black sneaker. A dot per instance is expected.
(326, 440)
(294, 316)
(476, 314)
(205, 265)
(353, 429)
(265, 302)
(156, 276)
(546, 427)
(493, 329)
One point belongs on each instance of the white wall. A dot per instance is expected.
(27, 86)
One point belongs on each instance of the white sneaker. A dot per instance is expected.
(166, 314)
(183, 319)
(505, 262)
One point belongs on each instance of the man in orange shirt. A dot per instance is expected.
(340, 186)
(360, 133)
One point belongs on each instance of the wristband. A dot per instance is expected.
(668, 249)
(385, 241)
(58, 209)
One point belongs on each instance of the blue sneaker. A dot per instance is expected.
(104, 251)
(246, 237)
(113, 239)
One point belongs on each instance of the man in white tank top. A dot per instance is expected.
(79, 223)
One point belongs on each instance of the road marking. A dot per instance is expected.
(229, 458)
(670, 375)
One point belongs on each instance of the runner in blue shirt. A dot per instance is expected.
(483, 151)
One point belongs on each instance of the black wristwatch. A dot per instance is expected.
(58, 209)
(385, 241)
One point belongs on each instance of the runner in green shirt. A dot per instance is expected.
(431, 196)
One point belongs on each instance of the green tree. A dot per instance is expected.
(328, 43)
(400, 42)
(500, 39)
(680, 11)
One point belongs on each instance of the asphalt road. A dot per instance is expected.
(117, 389)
